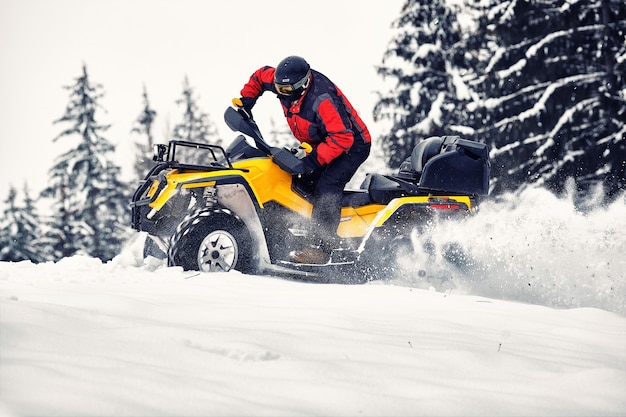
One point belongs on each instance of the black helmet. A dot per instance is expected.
(292, 76)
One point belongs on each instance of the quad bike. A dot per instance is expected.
(246, 207)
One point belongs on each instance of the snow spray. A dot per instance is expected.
(533, 247)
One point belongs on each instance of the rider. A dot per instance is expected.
(319, 114)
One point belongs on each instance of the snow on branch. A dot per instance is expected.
(494, 102)
(565, 118)
(433, 118)
(549, 91)
(617, 136)
(532, 50)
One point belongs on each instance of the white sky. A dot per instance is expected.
(126, 44)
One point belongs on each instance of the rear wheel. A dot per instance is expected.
(212, 241)
(379, 259)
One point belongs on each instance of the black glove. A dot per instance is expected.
(310, 163)
(244, 106)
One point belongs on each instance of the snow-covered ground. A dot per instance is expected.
(538, 328)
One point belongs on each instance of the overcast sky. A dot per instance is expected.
(127, 44)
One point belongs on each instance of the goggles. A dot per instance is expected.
(289, 89)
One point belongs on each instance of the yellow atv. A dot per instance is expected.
(246, 207)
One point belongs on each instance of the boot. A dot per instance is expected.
(311, 255)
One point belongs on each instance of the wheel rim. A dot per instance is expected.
(218, 252)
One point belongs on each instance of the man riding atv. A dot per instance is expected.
(320, 115)
(248, 206)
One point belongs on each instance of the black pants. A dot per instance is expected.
(330, 182)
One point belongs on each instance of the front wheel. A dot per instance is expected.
(212, 241)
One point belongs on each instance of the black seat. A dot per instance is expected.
(355, 198)
(424, 151)
(382, 189)
(411, 168)
(375, 188)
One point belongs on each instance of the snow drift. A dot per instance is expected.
(538, 328)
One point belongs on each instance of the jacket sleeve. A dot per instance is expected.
(262, 80)
(339, 135)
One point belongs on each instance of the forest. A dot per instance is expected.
(542, 83)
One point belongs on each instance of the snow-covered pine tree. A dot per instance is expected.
(9, 228)
(280, 135)
(196, 126)
(144, 147)
(423, 59)
(20, 230)
(553, 95)
(89, 199)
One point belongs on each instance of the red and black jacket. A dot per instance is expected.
(323, 116)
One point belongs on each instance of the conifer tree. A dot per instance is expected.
(9, 249)
(423, 61)
(89, 198)
(280, 135)
(144, 148)
(552, 93)
(19, 230)
(195, 126)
